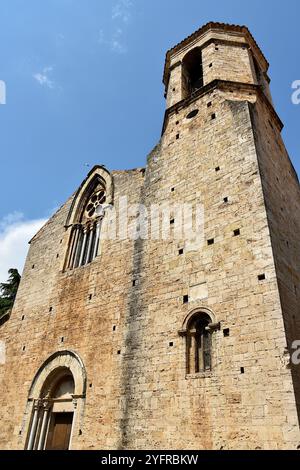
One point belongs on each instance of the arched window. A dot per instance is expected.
(198, 329)
(85, 234)
(192, 72)
(261, 77)
(258, 71)
(86, 217)
(53, 400)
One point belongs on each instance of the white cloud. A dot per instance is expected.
(116, 43)
(43, 77)
(121, 16)
(15, 233)
(122, 10)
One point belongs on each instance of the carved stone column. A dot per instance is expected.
(46, 408)
(36, 408)
(192, 356)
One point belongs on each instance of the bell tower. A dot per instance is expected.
(222, 146)
(214, 53)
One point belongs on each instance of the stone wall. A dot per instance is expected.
(224, 409)
(282, 198)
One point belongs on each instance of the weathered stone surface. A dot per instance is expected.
(141, 397)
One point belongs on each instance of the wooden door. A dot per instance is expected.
(60, 431)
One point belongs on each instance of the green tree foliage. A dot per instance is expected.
(8, 292)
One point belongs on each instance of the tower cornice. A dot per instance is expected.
(222, 85)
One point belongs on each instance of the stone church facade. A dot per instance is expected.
(163, 342)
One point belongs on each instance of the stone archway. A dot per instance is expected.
(56, 394)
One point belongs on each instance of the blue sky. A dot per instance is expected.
(84, 86)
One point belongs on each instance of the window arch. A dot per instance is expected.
(197, 330)
(260, 76)
(192, 72)
(86, 217)
(199, 344)
(85, 235)
(54, 398)
(258, 71)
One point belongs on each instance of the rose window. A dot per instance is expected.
(94, 206)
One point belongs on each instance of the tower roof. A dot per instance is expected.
(213, 26)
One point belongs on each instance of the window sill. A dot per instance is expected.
(78, 268)
(199, 375)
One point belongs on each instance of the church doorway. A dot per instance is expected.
(55, 403)
(60, 431)
(52, 418)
